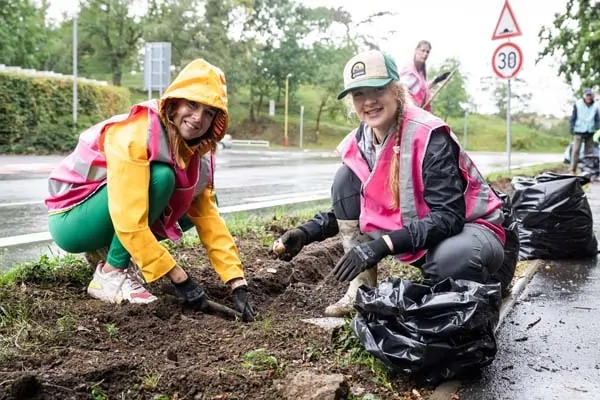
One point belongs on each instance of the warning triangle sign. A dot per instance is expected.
(507, 25)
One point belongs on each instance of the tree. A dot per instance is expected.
(328, 62)
(449, 101)
(575, 37)
(520, 94)
(177, 22)
(24, 34)
(110, 36)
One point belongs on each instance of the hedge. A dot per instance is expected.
(36, 113)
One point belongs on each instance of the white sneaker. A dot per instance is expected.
(116, 286)
(133, 289)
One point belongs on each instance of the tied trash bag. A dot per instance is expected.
(505, 273)
(554, 216)
(432, 333)
(590, 166)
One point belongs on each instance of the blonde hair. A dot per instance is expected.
(176, 142)
(403, 99)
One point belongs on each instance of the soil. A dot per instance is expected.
(58, 343)
(70, 346)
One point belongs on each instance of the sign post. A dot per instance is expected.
(507, 61)
(157, 67)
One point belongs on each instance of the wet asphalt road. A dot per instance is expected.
(549, 344)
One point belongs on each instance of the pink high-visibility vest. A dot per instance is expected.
(84, 171)
(377, 212)
(420, 91)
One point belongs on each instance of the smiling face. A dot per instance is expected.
(377, 107)
(193, 119)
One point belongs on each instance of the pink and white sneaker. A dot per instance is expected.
(116, 286)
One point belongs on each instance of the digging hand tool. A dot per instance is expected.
(438, 90)
(195, 298)
(242, 303)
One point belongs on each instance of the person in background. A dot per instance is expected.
(405, 188)
(140, 177)
(585, 120)
(414, 76)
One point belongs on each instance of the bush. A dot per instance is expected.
(36, 112)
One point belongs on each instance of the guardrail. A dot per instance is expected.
(250, 143)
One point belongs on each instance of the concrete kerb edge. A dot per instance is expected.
(446, 390)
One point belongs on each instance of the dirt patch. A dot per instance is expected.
(57, 343)
(60, 344)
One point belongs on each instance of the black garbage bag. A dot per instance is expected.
(431, 333)
(505, 273)
(590, 166)
(554, 217)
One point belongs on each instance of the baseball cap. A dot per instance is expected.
(370, 68)
(587, 91)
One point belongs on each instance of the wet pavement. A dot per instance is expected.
(549, 344)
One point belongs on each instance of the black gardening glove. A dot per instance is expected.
(192, 293)
(441, 77)
(360, 258)
(242, 303)
(292, 241)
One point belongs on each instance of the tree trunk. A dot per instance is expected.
(259, 105)
(319, 112)
(252, 116)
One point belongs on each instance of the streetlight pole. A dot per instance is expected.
(285, 118)
(75, 101)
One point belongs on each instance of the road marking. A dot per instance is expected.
(23, 203)
(45, 236)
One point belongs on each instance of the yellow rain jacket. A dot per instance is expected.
(128, 177)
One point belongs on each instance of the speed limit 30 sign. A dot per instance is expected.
(507, 60)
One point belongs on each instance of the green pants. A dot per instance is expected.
(88, 226)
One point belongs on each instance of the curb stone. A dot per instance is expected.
(446, 390)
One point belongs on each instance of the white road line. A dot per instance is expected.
(23, 203)
(45, 236)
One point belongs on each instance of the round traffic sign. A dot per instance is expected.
(507, 60)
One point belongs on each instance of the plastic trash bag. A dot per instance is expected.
(554, 216)
(432, 333)
(569, 150)
(590, 166)
(505, 273)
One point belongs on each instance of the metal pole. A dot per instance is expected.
(301, 124)
(160, 72)
(149, 50)
(508, 139)
(285, 118)
(75, 101)
(465, 129)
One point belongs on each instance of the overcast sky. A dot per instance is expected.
(461, 29)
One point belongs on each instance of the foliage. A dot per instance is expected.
(23, 33)
(36, 112)
(520, 95)
(453, 96)
(574, 36)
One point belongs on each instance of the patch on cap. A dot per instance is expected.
(358, 69)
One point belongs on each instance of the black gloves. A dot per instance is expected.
(361, 257)
(441, 77)
(192, 293)
(242, 303)
(292, 241)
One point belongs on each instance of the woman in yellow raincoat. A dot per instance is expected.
(144, 176)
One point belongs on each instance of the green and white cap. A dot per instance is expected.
(370, 68)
